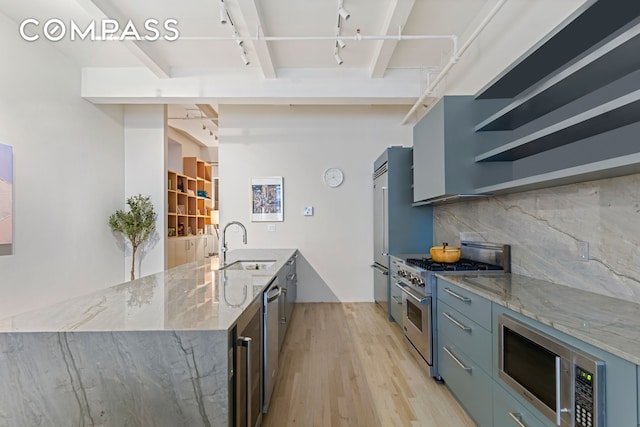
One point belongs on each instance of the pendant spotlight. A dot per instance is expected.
(337, 57)
(343, 12)
(223, 13)
(236, 34)
(341, 44)
(243, 55)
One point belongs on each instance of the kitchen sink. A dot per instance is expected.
(249, 265)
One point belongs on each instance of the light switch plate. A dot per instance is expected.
(308, 211)
(271, 227)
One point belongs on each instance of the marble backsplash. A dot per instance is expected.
(546, 228)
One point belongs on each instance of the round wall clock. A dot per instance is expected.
(333, 177)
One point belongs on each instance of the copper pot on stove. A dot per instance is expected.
(445, 253)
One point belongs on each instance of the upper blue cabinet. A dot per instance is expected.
(571, 105)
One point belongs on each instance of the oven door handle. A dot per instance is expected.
(404, 288)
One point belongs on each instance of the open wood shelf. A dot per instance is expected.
(605, 64)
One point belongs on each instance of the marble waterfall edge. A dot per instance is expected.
(159, 378)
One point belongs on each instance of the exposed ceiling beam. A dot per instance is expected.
(293, 86)
(397, 16)
(251, 16)
(102, 9)
(209, 111)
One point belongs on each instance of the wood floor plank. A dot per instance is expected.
(346, 365)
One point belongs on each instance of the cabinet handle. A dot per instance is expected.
(457, 323)
(395, 298)
(291, 277)
(385, 244)
(284, 320)
(467, 369)
(291, 261)
(457, 296)
(517, 418)
(246, 341)
(380, 270)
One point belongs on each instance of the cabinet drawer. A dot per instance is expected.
(508, 412)
(395, 305)
(469, 384)
(466, 334)
(471, 305)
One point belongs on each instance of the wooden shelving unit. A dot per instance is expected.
(189, 196)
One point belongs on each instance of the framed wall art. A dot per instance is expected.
(267, 199)
(6, 199)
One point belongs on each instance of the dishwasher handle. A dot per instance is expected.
(246, 342)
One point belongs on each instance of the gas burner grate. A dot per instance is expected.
(461, 265)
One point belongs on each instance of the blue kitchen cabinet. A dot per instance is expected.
(464, 353)
(466, 334)
(507, 411)
(466, 302)
(469, 383)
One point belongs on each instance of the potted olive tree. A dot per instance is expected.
(137, 224)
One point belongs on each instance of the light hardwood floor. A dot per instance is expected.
(346, 365)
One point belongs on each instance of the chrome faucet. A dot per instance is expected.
(223, 248)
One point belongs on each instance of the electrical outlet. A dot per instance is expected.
(583, 251)
(308, 211)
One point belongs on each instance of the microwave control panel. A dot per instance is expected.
(584, 410)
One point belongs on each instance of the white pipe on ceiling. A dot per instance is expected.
(452, 37)
(453, 60)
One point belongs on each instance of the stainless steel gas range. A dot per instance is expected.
(416, 277)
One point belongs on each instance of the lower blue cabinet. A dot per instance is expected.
(508, 412)
(469, 384)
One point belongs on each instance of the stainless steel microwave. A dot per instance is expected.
(562, 382)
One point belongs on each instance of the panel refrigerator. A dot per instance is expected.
(398, 227)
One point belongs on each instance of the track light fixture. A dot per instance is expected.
(236, 34)
(243, 55)
(223, 13)
(336, 55)
(343, 12)
(341, 44)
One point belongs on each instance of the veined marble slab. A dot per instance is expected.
(608, 323)
(192, 296)
(125, 378)
(546, 227)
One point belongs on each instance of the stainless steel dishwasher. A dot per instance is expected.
(271, 323)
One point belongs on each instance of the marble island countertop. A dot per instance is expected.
(195, 296)
(608, 323)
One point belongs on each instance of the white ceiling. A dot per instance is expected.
(205, 67)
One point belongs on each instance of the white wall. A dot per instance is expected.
(145, 174)
(299, 143)
(68, 178)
